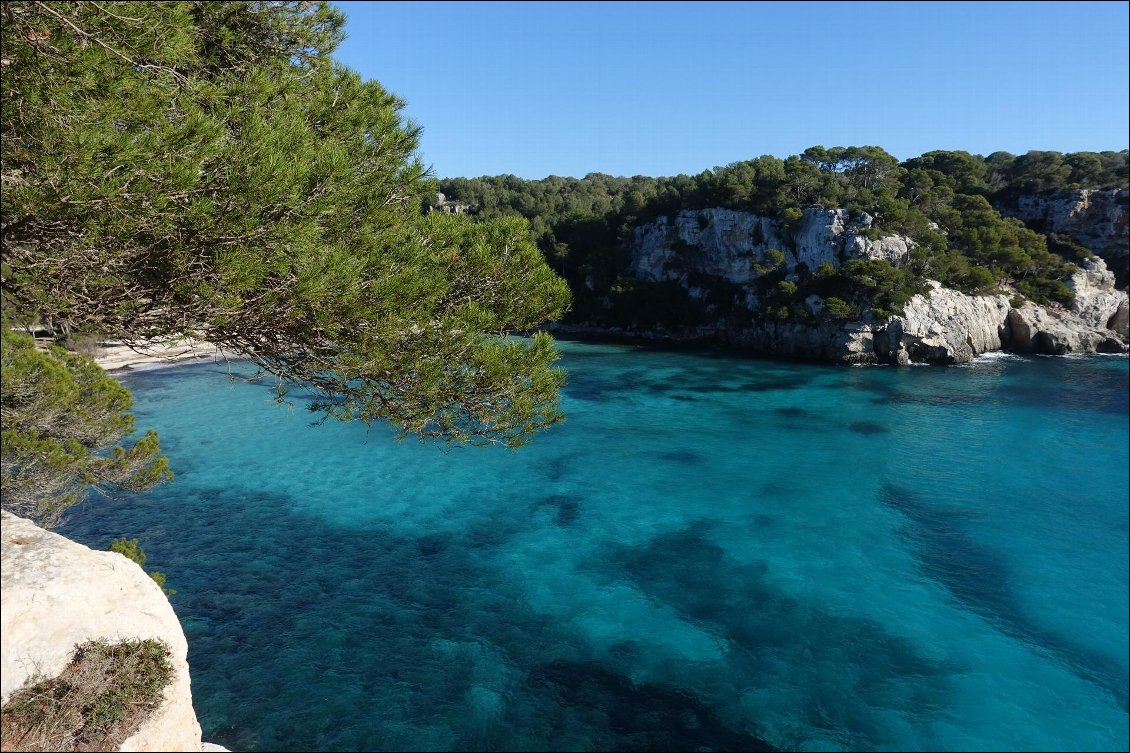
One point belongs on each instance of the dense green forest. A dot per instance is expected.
(948, 202)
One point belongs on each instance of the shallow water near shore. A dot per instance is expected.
(711, 553)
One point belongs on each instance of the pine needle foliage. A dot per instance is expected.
(206, 170)
(62, 418)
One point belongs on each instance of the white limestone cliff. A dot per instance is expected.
(718, 242)
(941, 326)
(1034, 329)
(1099, 219)
(834, 236)
(1097, 302)
(726, 243)
(944, 326)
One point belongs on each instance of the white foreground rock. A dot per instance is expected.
(57, 594)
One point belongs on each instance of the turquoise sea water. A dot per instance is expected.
(712, 553)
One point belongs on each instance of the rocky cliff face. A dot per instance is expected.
(57, 594)
(1098, 219)
(726, 244)
(946, 326)
(942, 326)
(721, 243)
(1097, 302)
(1032, 329)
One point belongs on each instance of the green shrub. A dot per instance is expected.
(131, 549)
(1047, 291)
(97, 702)
(772, 261)
(838, 308)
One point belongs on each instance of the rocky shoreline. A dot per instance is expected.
(698, 249)
(942, 326)
(58, 594)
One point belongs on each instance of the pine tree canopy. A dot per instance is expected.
(62, 416)
(206, 170)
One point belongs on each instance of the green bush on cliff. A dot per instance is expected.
(838, 308)
(873, 283)
(131, 549)
(99, 700)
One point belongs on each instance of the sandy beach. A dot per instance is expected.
(117, 357)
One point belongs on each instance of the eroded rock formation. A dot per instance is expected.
(941, 326)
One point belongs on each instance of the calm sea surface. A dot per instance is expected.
(711, 553)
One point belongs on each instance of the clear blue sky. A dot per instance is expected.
(537, 89)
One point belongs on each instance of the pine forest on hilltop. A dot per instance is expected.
(949, 202)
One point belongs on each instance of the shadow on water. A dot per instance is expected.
(689, 457)
(846, 673)
(978, 577)
(557, 467)
(304, 635)
(768, 384)
(646, 716)
(591, 389)
(307, 636)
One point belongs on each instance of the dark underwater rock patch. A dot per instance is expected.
(868, 427)
(567, 508)
(431, 544)
(849, 668)
(681, 456)
(646, 716)
(978, 577)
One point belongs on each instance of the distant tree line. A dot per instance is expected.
(946, 201)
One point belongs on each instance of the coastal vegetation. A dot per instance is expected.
(207, 171)
(948, 202)
(680, 568)
(131, 549)
(63, 419)
(100, 699)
